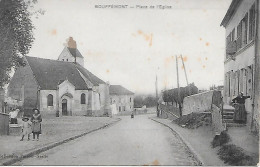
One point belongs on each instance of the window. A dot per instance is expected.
(130, 99)
(62, 59)
(239, 35)
(244, 29)
(67, 59)
(233, 35)
(50, 100)
(83, 98)
(252, 22)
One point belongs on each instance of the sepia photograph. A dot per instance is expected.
(129, 82)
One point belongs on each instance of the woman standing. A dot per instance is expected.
(36, 123)
(240, 110)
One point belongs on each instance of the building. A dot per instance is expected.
(60, 87)
(242, 56)
(122, 98)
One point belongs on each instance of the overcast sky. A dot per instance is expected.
(130, 46)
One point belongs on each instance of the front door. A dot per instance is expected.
(64, 107)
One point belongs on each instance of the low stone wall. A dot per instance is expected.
(4, 124)
(201, 102)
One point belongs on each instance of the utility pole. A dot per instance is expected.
(185, 74)
(184, 70)
(156, 87)
(178, 85)
(157, 99)
(177, 70)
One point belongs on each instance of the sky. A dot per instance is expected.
(130, 46)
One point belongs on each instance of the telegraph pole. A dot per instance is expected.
(184, 71)
(177, 70)
(157, 99)
(185, 74)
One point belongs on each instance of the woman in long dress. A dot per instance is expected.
(36, 120)
(240, 110)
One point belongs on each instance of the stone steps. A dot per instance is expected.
(228, 115)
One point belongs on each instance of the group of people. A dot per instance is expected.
(33, 127)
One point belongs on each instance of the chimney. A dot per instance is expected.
(71, 43)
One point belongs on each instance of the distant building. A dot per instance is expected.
(61, 86)
(242, 56)
(123, 98)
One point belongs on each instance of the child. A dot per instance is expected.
(26, 128)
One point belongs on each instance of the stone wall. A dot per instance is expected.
(4, 124)
(199, 102)
(216, 116)
(104, 99)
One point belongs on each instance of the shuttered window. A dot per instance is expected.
(252, 22)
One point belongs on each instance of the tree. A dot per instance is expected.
(172, 94)
(147, 100)
(16, 35)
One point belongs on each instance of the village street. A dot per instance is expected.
(138, 141)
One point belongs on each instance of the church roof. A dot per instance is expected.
(50, 73)
(75, 52)
(119, 90)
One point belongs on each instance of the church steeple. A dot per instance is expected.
(70, 53)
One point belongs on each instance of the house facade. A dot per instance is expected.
(60, 87)
(122, 98)
(242, 56)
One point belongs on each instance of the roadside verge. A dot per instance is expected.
(192, 150)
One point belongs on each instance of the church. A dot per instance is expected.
(60, 87)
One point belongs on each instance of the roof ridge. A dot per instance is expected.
(51, 59)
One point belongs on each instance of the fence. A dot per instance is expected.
(4, 124)
(169, 111)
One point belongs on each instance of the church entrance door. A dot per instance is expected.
(64, 107)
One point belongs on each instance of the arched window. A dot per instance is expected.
(83, 98)
(50, 100)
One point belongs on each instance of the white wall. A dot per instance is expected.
(123, 101)
(197, 103)
(66, 56)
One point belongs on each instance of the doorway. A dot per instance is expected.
(64, 107)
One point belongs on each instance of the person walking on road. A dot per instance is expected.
(36, 123)
(26, 128)
(240, 110)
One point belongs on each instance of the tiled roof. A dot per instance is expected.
(50, 73)
(91, 77)
(119, 90)
(75, 52)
